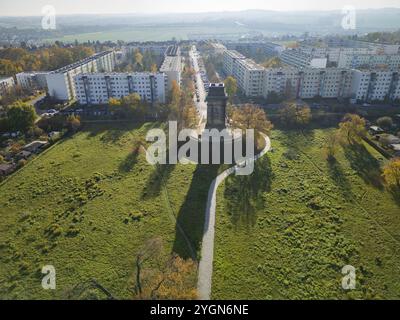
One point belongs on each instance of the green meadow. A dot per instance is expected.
(287, 231)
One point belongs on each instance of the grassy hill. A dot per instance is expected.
(86, 206)
(302, 221)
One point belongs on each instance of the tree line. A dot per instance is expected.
(15, 60)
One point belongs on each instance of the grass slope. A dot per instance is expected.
(86, 206)
(302, 221)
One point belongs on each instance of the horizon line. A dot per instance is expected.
(145, 13)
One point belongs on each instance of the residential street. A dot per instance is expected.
(201, 105)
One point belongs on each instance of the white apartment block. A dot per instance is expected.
(307, 83)
(351, 60)
(332, 53)
(230, 59)
(32, 80)
(6, 84)
(172, 67)
(248, 74)
(375, 85)
(250, 77)
(299, 59)
(254, 47)
(98, 88)
(158, 49)
(60, 83)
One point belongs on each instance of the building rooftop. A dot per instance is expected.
(82, 62)
(171, 63)
(216, 90)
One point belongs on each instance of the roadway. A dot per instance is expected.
(201, 93)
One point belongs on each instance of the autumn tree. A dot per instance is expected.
(331, 146)
(231, 87)
(138, 58)
(162, 276)
(154, 68)
(274, 62)
(73, 123)
(175, 93)
(190, 117)
(21, 117)
(250, 117)
(391, 173)
(295, 115)
(352, 128)
(134, 106)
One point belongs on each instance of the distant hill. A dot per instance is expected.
(267, 22)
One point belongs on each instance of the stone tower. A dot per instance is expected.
(216, 106)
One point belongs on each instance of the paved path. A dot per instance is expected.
(207, 250)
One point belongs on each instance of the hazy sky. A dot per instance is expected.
(34, 7)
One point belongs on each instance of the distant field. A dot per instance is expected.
(87, 206)
(303, 221)
(150, 33)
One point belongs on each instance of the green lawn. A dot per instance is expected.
(150, 33)
(287, 231)
(86, 206)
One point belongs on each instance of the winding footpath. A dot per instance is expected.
(207, 251)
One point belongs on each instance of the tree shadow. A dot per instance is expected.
(367, 167)
(191, 215)
(395, 192)
(160, 175)
(243, 194)
(129, 162)
(112, 131)
(339, 177)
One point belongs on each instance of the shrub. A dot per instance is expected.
(21, 163)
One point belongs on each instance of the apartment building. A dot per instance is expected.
(332, 53)
(32, 80)
(375, 85)
(307, 83)
(353, 60)
(250, 77)
(255, 47)
(301, 59)
(379, 48)
(60, 83)
(230, 58)
(172, 66)
(98, 88)
(6, 83)
(157, 49)
(248, 74)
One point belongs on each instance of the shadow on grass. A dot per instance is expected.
(160, 174)
(129, 162)
(112, 131)
(243, 194)
(339, 177)
(395, 192)
(367, 167)
(191, 215)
